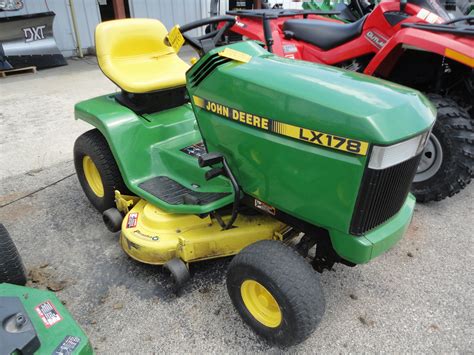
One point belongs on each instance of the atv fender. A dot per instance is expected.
(442, 44)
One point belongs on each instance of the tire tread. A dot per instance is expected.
(294, 277)
(93, 143)
(457, 130)
(12, 269)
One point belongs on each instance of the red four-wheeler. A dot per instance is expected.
(413, 43)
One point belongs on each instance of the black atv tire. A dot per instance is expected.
(289, 279)
(12, 270)
(454, 137)
(93, 144)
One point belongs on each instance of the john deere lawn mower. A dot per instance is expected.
(247, 153)
(33, 321)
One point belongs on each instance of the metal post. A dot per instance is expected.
(119, 9)
(76, 32)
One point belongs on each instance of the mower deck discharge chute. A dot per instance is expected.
(246, 153)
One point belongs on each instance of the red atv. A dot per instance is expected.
(413, 43)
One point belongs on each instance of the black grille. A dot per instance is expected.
(382, 194)
(206, 68)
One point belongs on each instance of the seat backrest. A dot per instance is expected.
(129, 39)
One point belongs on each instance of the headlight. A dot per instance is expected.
(384, 157)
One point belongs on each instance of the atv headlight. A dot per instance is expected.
(384, 157)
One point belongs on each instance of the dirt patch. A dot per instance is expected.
(43, 278)
(366, 321)
(5, 199)
(15, 211)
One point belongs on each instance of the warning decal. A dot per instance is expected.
(264, 207)
(48, 314)
(132, 220)
(284, 129)
(67, 346)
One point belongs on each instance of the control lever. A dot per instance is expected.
(211, 159)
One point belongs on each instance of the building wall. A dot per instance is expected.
(170, 12)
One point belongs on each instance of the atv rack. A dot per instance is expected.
(276, 13)
(269, 14)
(447, 27)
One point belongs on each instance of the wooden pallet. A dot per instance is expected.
(5, 73)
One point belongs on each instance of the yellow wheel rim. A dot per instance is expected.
(260, 303)
(92, 176)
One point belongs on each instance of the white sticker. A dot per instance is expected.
(290, 48)
(422, 14)
(432, 18)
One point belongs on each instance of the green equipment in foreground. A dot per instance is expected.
(247, 153)
(33, 321)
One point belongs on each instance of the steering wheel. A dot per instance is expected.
(208, 41)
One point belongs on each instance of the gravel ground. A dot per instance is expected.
(418, 297)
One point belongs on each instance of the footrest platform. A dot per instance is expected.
(173, 193)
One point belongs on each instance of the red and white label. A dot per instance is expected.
(48, 314)
(264, 207)
(132, 220)
(428, 16)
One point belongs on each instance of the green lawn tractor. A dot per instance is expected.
(33, 321)
(245, 153)
(349, 11)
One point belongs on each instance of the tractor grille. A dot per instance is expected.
(382, 194)
(206, 68)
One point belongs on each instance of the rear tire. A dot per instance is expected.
(447, 163)
(97, 170)
(276, 292)
(12, 269)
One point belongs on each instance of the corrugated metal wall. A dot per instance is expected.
(170, 12)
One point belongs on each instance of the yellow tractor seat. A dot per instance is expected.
(133, 54)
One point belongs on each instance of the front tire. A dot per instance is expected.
(97, 170)
(448, 159)
(276, 292)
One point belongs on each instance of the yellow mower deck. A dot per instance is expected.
(153, 236)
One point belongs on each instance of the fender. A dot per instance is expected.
(448, 45)
(145, 146)
(130, 135)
